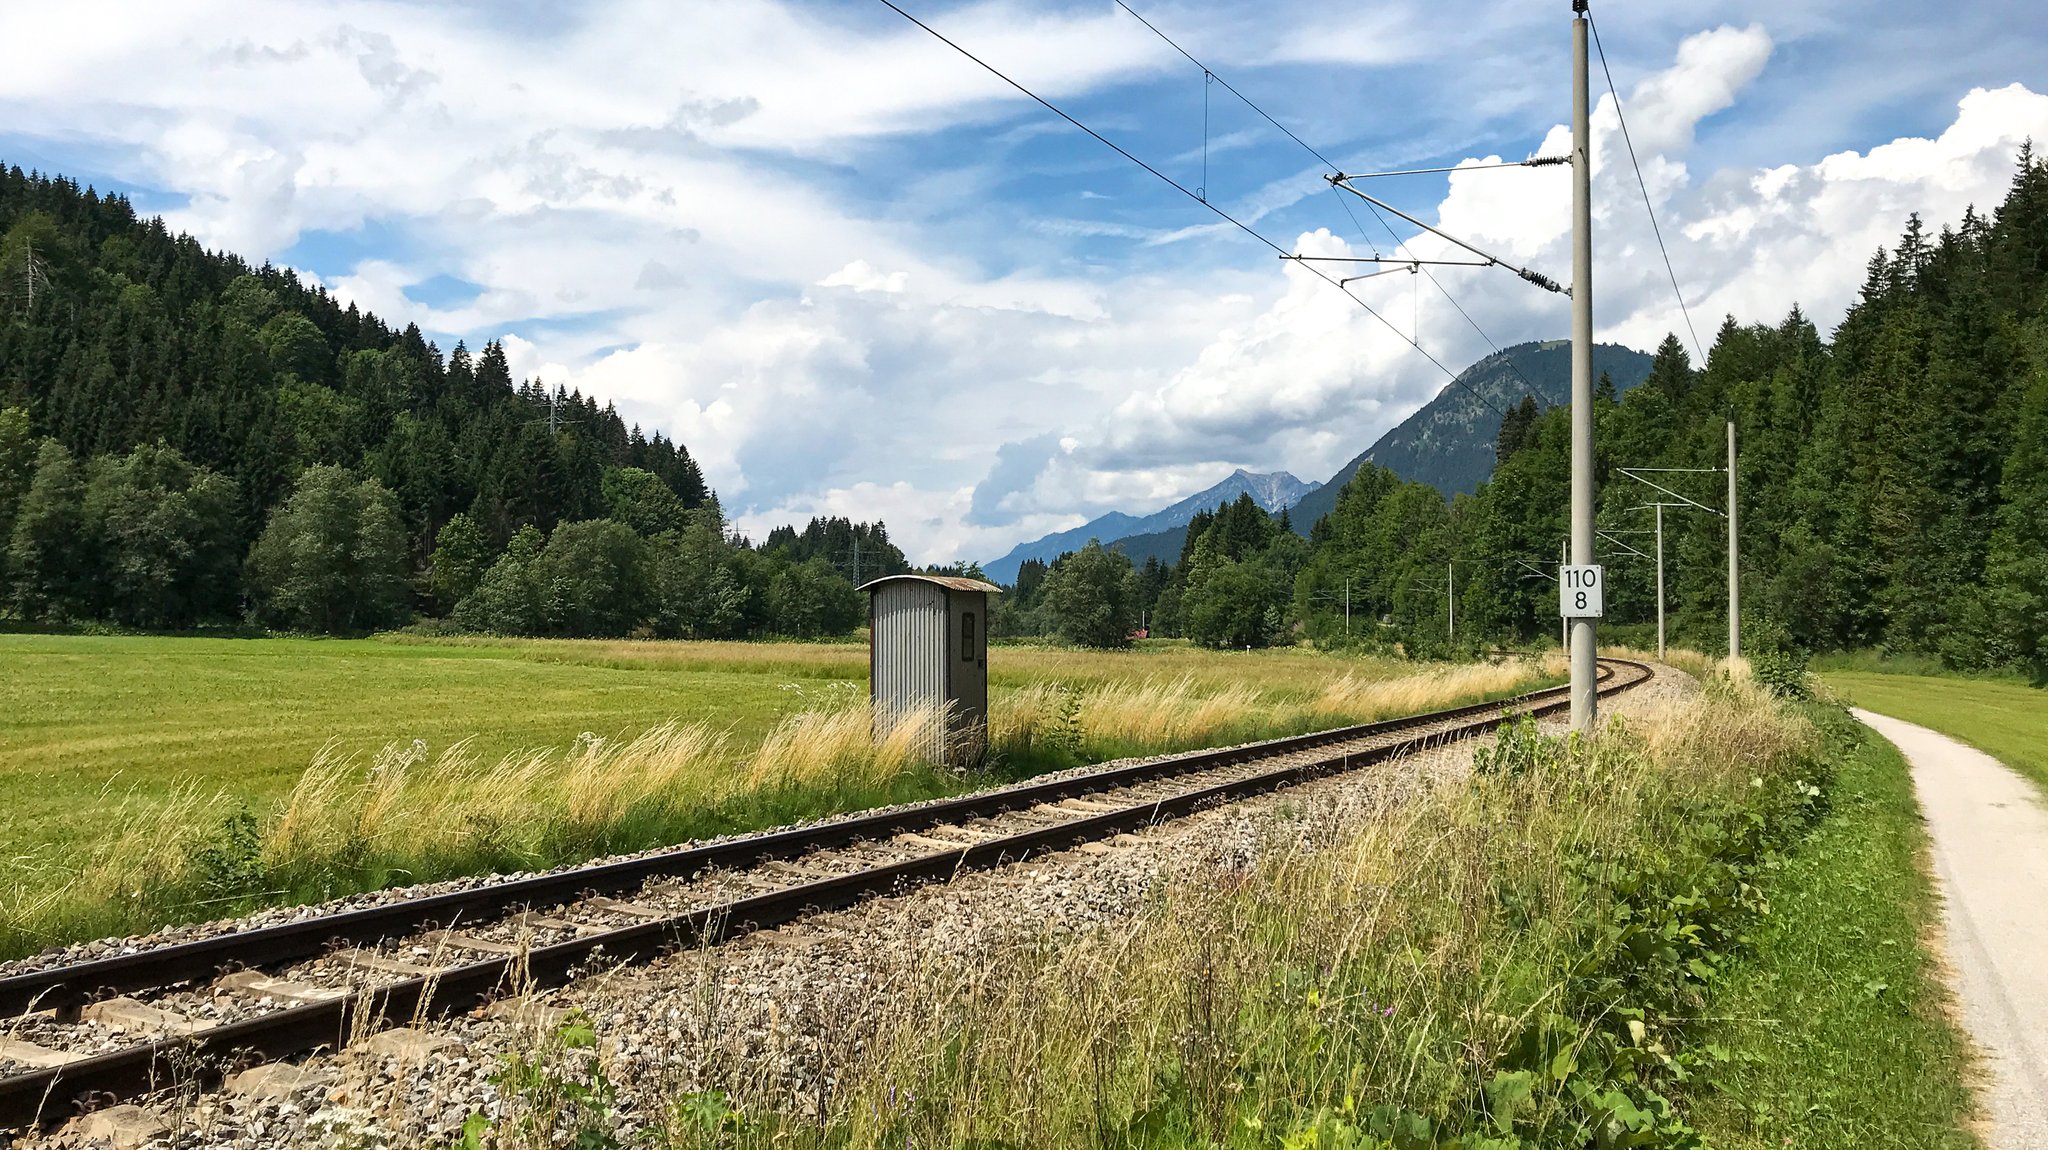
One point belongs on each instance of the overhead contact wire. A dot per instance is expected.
(1400, 246)
(1655, 230)
(1176, 185)
(1226, 85)
(1312, 150)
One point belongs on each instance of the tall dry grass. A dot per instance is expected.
(1694, 663)
(1371, 956)
(120, 882)
(1356, 700)
(1138, 715)
(412, 813)
(598, 794)
(409, 815)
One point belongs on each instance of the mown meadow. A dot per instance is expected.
(157, 779)
(2006, 717)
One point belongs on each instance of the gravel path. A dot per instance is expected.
(790, 1003)
(1990, 835)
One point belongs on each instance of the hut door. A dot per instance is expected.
(970, 658)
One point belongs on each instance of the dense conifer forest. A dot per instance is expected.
(1893, 487)
(188, 440)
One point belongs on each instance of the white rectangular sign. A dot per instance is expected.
(1578, 591)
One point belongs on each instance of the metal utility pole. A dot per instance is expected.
(1332, 595)
(1564, 634)
(1660, 582)
(1450, 600)
(1734, 580)
(1636, 473)
(1585, 702)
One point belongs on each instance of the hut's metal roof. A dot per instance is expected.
(949, 582)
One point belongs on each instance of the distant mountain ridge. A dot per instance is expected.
(1272, 490)
(1449, 442)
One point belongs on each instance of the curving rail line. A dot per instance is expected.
(794, 872)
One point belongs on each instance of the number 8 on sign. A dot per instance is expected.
(1578, 590)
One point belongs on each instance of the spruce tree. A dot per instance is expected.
(2013, 618)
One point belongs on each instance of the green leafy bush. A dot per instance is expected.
(1777, 662)
(1520, 748)
(229, 860)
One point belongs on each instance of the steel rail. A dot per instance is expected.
(44, 1096)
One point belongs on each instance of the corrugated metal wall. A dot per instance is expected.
(910, 653)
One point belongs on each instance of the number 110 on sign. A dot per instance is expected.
(1578, 590)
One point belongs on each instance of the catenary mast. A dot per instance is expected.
(1583, 642)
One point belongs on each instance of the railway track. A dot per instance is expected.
(86, 1034)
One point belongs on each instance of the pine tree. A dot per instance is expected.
(2013, 616)
(1514, 428)
(417, 463)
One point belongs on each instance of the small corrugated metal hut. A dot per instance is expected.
(928, 648)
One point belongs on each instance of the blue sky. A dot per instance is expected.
(856, 275)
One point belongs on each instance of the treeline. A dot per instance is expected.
(1893, 492)
(861, 550)
(692, 581)
(186, 440)
(1231, 586)
(150, 540)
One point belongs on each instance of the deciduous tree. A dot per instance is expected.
(333, 558)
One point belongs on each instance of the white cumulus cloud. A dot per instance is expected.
(764, 227)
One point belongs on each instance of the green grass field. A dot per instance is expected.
(84, 718)
(87, 718)
(125, 759)
(2004, 718)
